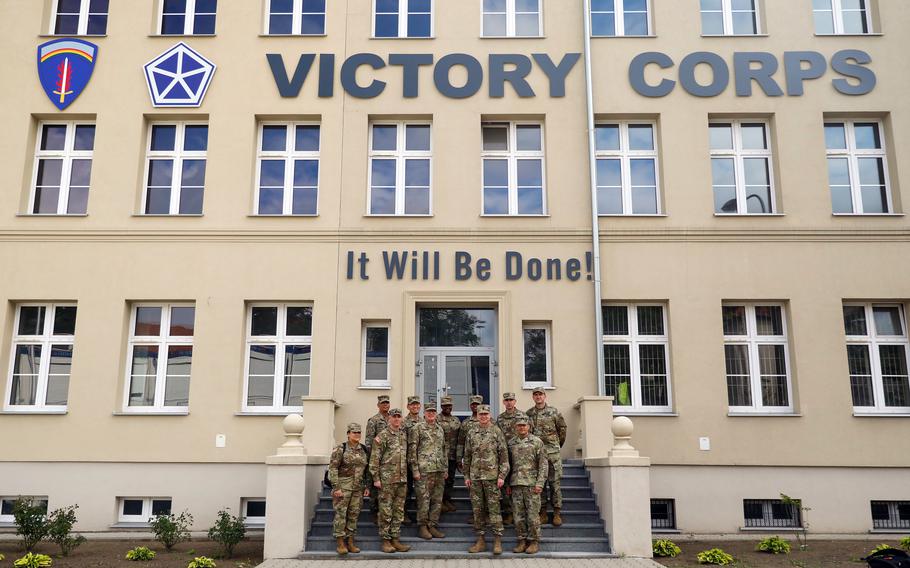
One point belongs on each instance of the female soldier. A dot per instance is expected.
(347, 471)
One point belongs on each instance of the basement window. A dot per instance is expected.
(770, 513)
(890, 515)
(663, 514)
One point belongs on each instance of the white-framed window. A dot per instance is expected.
(400, 168)
(374, 371)
(279, 343)
(287, 169)
(80, 17)
(62, 169)
(757, 359)
(842, 17)
(141, 509)
(770, 513)
(611, 18)
(295, 17)
(627, 168)
(511, 18)
(175, 168)
(636, 349)
(536, 369)
(252, 509)
(7, 502)
(42, 357)
(160, 357)
(888, 515)
(730, 17)
(742, 174)
(857, 167)
(877, 353)
(188, 17)
(402, 18)
(513, 168)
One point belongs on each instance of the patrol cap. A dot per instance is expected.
(383, 398)
(354, 427)
(413, 399)
(522, 420)
(508, 396)
(395, 412)
(538, 390)
(447, 401)
(429, 407)
(483, 409)
(476, 399)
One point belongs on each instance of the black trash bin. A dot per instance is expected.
(888, 558)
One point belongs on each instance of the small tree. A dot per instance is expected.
(228, 532)
(802, 536)
(31, 521)
(171, 529)
(60, 529)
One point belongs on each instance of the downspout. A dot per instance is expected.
(595, 225)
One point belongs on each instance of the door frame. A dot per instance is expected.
(441, 353)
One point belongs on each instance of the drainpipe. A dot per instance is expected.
(595, 225)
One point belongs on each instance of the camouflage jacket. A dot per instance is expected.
(506, 423)
(451, 425)
(466, 428)
(529, 461)
(427, 449)
(486, 456)
(389, 457)
(548, 425)
(376, 424)
(347, 467)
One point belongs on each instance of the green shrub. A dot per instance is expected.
(905, 543)
(774, 545)
(881, 546)
(228, 532)
(171, 529)
(32, 560)
(2, 558)
(665, 548)
(31, 521)
(140, 554)
(60, 529)
(714, 556)
(201, 562)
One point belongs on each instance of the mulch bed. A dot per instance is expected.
(819, 554)
(110, 553)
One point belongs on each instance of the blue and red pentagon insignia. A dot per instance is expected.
(64, 68)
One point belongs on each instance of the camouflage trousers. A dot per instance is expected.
(505, 503)
(552, 493)
(429, 490)
(485, 505)
(347, 510)
(391, 509)
(450, 482)
(525, 507)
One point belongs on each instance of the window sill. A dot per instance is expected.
(875, 34)
(877, 531)
(622, 36)
(130, 526)
(516, 216)
(741, 215)
(182, 35)
(666, 531)
(512, 37)
(400, 37)
(385, 386)
(620, 412)
(765, 414)
(770, 529)
(282, 216)
(152, 413)
(37, 411)
(45, 215)
(393, 215)
(867, 215)
(270, 413)
(165, 215)
(293, 35)
(734, 35)
(75, 35)
(881, 414)
(630, 216)
(532, 387)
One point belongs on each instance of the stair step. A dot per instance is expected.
(587, 530)
(461, 544)
(461, 516)
(448, 555)
(464, 504)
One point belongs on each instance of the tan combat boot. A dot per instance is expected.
(479, 546)
(400, 547)
(387, 546)
(351, 546)
(424, 533)
(436, 532)
(557, 519)
(522, 545)
(543, 517)
(532, 548)
(497, 545)
(341, 548)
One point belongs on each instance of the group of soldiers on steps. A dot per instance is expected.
(507, 465)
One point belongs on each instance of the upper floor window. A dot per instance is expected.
(729, 17)
(842, 16)
(626, 169)
(160, 357)
(512, 18)
(620, 18)
(513, 169)
(188, 17)
(288, 169)
(636, 351)
(295, 17)
(80, 17)
(279, 340)
(537, 371)
(400, 160)
(857, 167)
(402, 18)
(42, 354)
(757, 358)
(741, 168)
(176, 162)
(63, 169)
(877, 353)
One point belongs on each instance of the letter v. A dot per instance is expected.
(290, 88)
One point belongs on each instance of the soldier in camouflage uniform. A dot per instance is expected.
(411, 420)
(376, 424)
(466, 428)
(450, 424)
(389, 469)
(428, 459)
(486, 465)
(529, 472)
(506, 423)
(347, 474)
(549, 425)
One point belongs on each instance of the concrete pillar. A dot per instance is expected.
(319, 412)
(596, 416)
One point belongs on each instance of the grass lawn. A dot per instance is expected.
(820, 554)
(110, 553)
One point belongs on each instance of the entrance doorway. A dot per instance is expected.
(456, 355)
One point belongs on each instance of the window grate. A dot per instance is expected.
(890, 514)
(770, 513)
(663, 513)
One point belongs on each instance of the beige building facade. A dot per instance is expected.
(218, 262)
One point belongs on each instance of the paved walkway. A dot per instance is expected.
(400, 561)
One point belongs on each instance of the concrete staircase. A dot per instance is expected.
(581, 535)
